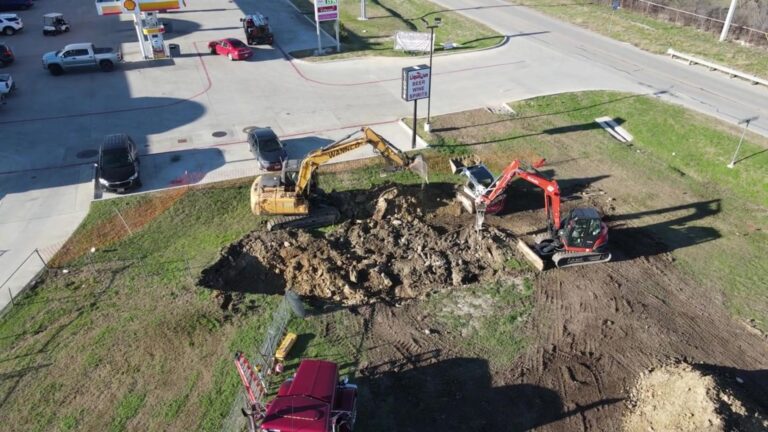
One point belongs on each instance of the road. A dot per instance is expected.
(188, 115)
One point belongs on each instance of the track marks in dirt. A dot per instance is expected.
(598, 327)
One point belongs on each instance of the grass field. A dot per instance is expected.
(124, 340)
(654, 35)
(375, 36)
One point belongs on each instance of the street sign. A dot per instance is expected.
(415, 82)
(326, 10)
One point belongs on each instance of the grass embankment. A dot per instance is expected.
(654, 35)
(375, 36)
(672, 182)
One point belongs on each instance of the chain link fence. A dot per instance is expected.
(263, 359)
(749, 35)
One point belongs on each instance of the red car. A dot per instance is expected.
(235, 49)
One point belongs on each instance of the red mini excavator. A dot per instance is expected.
(579, 238)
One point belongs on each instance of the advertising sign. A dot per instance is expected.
(412, 42)
(326, 10)
(415, 84)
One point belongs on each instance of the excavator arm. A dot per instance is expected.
(517, 169)
(551, 197)
(322, 155)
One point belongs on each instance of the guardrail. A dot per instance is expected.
(713, 66)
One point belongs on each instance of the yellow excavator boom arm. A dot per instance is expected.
(322, 155)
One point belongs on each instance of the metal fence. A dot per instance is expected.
(263, 359)
(24, 276)
(746, 34)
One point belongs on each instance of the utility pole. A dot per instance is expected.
(363, 16)
(437, 23)
(728, 19)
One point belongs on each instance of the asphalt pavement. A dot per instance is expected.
(188, 115)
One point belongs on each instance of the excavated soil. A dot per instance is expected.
(681, 398)
(391, 247)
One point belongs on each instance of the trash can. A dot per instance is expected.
(174, 50)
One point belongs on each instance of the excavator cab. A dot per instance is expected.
(582, 228)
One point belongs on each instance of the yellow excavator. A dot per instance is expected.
(288, 193)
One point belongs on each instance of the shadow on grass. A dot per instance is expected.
(552, 131)
(547, 114)
(665, 236)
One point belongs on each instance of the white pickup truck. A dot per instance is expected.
(80, 56)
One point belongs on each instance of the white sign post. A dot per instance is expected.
(415, 86)
(327, 10)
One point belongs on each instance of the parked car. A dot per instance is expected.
(15, 4)
(233, 48)
(6, 55)
(6, 85)
(80, 56)
(267, 148)
(118, 164)
(10, 24)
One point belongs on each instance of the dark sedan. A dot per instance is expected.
(118, 164)
(266, 148)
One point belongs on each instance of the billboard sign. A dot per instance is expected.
(326, 10)
(415, 84)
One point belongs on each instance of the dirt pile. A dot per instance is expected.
(680, 398)
(392, 254)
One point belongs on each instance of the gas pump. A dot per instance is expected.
(148, 27)
(153, 29)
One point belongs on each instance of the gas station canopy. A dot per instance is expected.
(116, 7)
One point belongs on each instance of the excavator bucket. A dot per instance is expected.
(530, 255)
(456, 165)
(419, 167)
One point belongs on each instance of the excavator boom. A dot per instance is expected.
(288, 194)
(345, 145)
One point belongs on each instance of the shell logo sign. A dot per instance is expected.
(116, 7)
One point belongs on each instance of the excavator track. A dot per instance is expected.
(320, 216)
(571, 259)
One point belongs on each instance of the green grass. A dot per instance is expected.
(488, 318)
(375, 36)
(655, 35)
(127, 409)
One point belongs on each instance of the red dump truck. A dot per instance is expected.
(313, 400)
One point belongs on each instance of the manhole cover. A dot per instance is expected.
(86, 154)
(219, 134)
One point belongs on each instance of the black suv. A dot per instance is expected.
(266, 148)
(6, 54)
(118, 165)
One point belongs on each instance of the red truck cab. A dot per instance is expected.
(314, 400)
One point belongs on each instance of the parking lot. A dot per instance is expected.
(187, 116)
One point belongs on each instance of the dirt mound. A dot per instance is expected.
(392, 254)
(680, 398)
